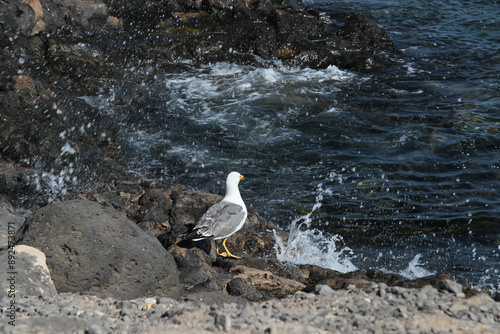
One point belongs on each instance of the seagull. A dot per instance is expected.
(224, 218)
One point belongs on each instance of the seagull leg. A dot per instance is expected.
(228, 253)
(224, 254)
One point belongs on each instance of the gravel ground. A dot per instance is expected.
(375, 309)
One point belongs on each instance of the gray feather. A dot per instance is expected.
(220, 220)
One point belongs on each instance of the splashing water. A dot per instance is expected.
(56, 183)
(306, 245)
(414, 269)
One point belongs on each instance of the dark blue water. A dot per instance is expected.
(398, 169)
(437, 191)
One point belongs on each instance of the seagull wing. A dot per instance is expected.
(220, 220)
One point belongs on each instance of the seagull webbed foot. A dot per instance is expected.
(227, 253)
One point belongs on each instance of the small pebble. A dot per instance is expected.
(223, 322)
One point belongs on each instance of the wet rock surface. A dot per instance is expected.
(253, 32)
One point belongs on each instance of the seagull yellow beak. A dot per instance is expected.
(242, 177)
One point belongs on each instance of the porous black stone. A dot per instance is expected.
(96, 250)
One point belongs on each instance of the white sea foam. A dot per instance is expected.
(226, 69)
(313, 247)
(306, 245)
(252, 101)
(252, 104)
(54, 185)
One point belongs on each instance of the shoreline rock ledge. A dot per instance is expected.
(250, 32)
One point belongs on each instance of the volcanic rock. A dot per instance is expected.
(251, 31)
(266, 282)
(243, 288)
(197, 272)
(96, 250)
(16, 17)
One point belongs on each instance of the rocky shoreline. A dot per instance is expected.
(87, 246)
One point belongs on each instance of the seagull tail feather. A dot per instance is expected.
(195, 235)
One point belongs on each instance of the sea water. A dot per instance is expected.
(397, 170)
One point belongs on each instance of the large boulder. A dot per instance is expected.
(96, 250)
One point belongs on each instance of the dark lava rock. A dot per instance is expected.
(15, 186)
(96, 250)
(240, 287)
(10, 221)
(155, 205)
(248, 32)
(59, 140)
(16, 17)
(196, 271)
(189, 206)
